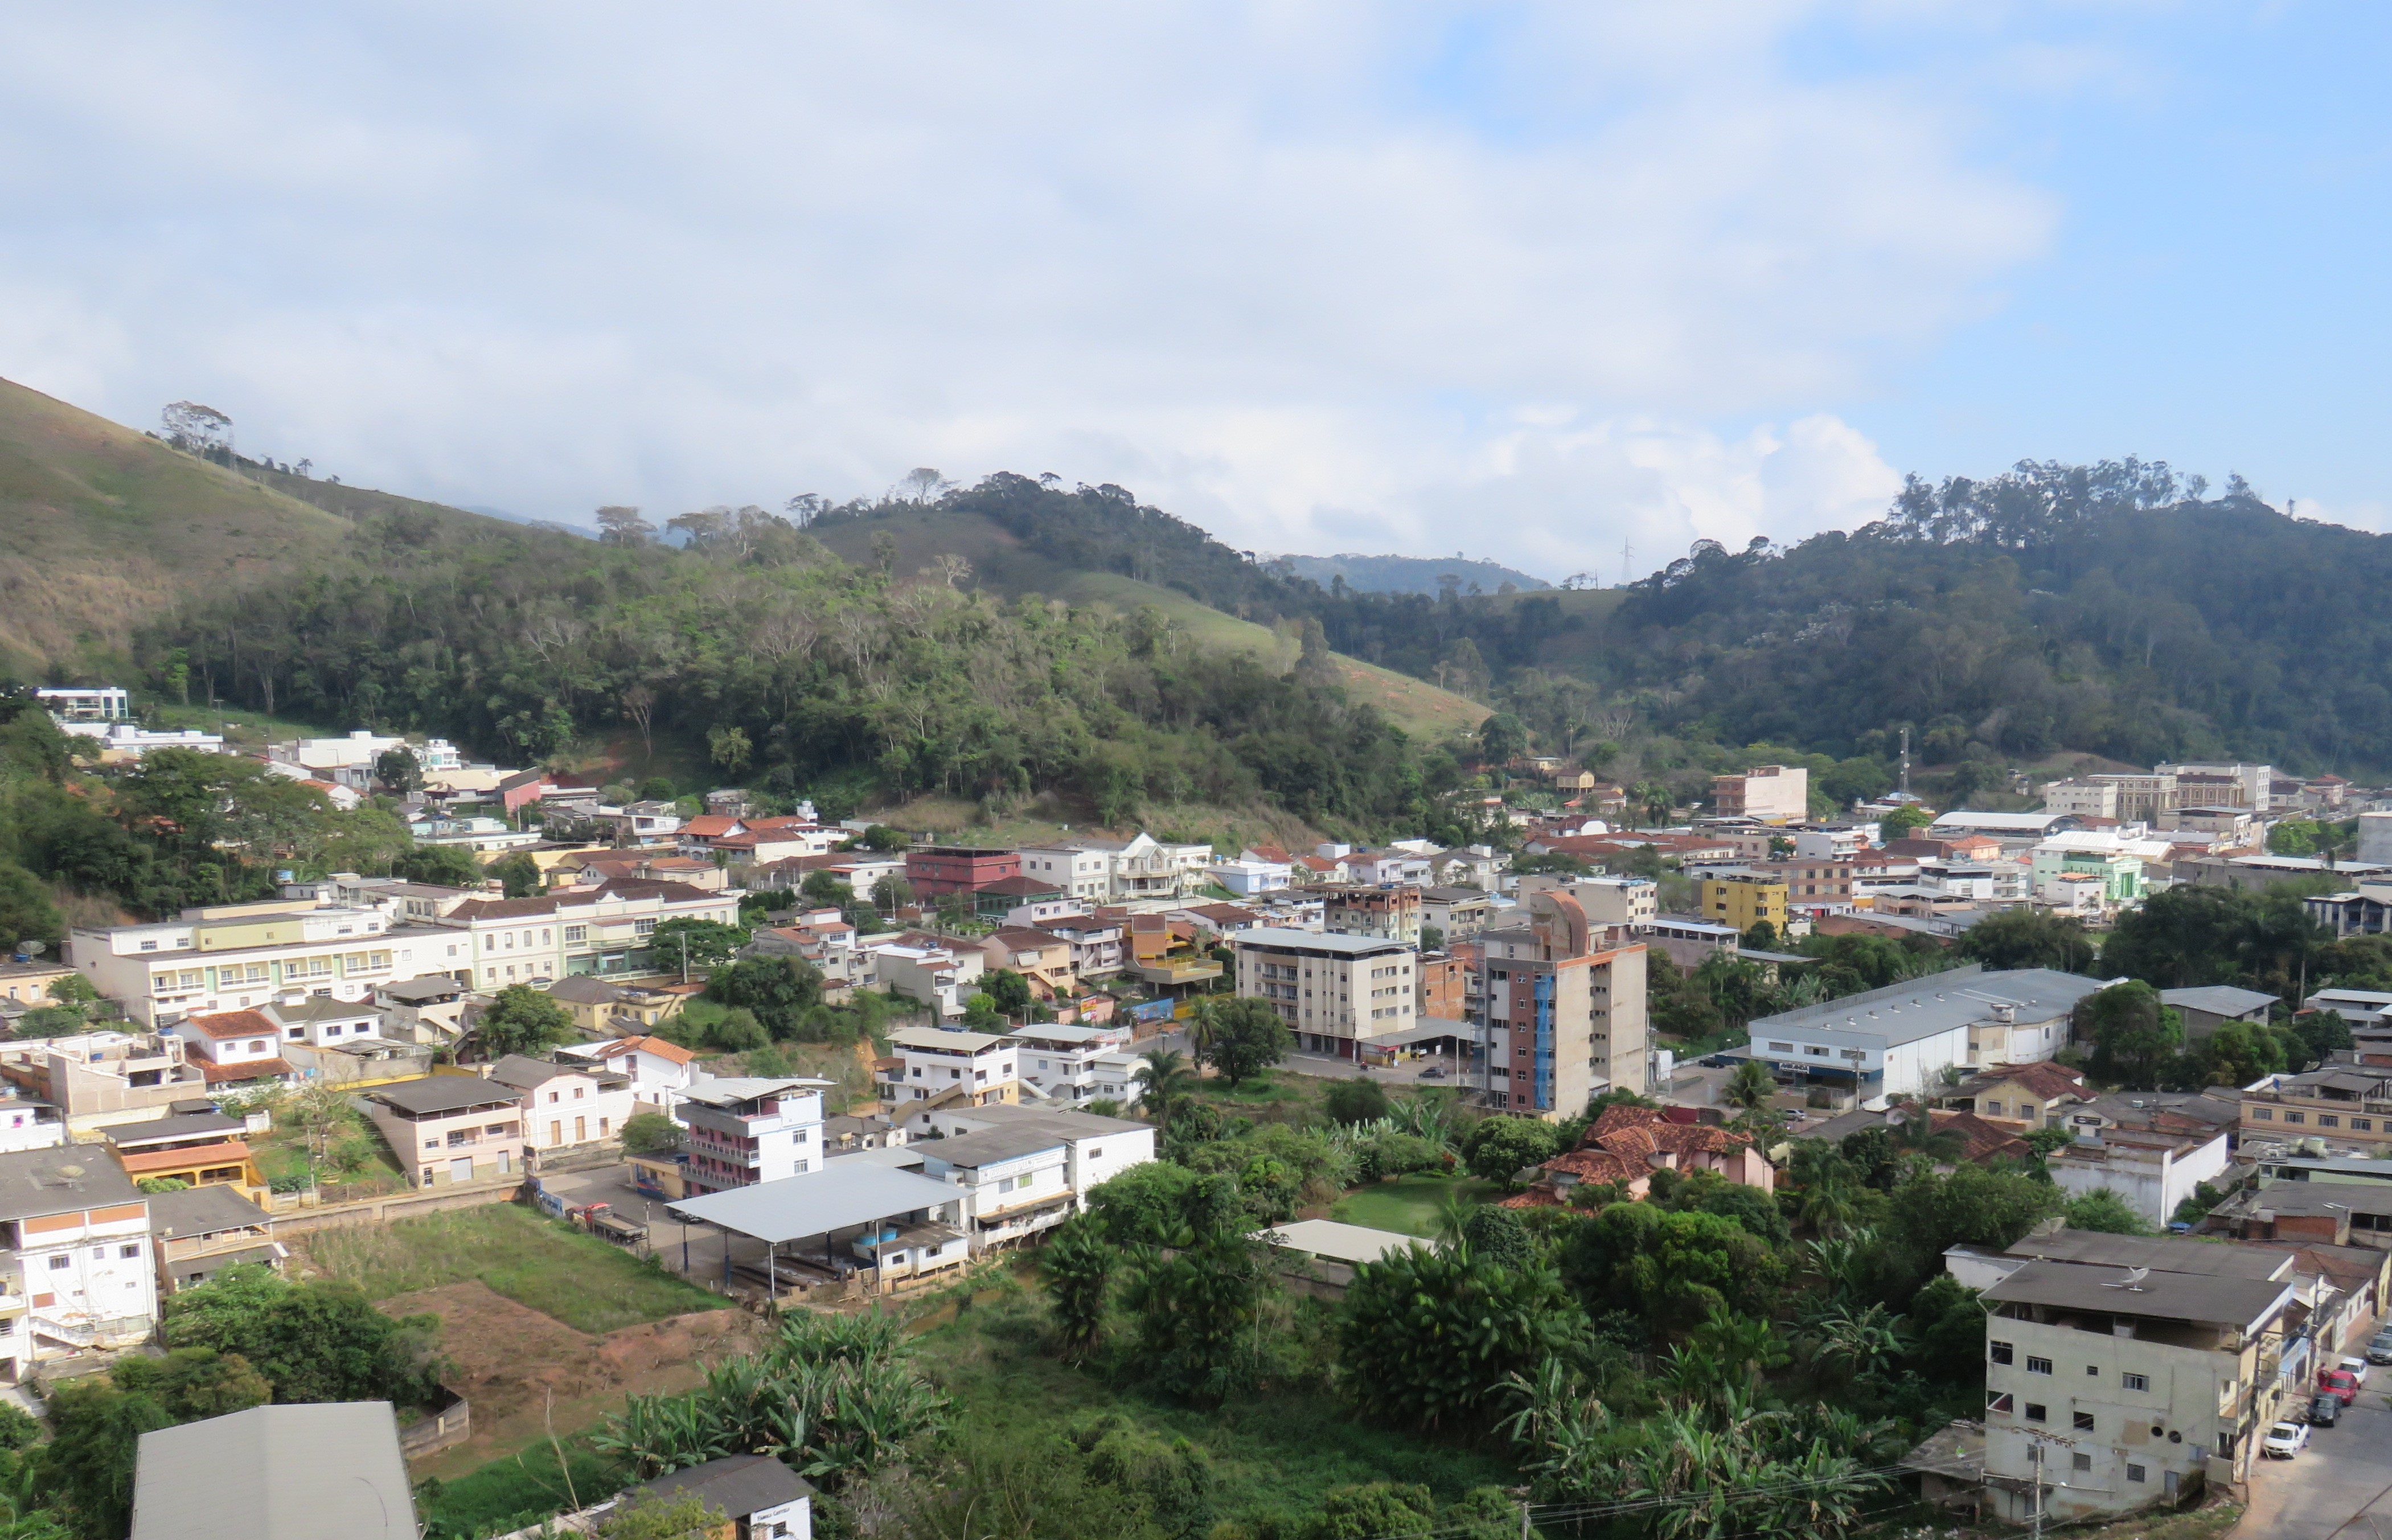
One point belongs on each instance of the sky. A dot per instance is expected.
(1567, 286)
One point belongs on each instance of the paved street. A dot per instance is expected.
(2339, 1486)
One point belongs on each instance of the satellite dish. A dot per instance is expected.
(69, 1171)
(32, 949)
(2133, 1279)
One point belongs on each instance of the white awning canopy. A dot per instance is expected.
(841, 1195)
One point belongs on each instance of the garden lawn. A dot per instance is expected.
(1408, 1204)
(1272, 1454)
(543, 1264)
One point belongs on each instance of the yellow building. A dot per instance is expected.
(1743, 901)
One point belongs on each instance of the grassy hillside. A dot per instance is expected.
(1003, 563)
(103, 528)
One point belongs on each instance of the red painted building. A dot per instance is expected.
(937, 870)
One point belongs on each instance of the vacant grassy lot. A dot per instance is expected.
(517, 1490)
(536, 1261)
(1409, 1205)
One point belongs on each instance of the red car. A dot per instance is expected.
(2341, 1384)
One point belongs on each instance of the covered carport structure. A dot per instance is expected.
(846, 1201)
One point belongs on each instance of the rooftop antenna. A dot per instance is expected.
(1626, 562)
(2133, 1278)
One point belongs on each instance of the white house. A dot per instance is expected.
(931, 1066)
(1247, 875)
(1076, 1065)
(77, 1250)
(2153, 1172)
(935, 977)
(320, 1021)
(1023, 1170)
(660, 1072)
(232, 1046)
(750, 1129)
(566, 1107)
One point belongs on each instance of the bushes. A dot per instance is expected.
(1426, 1339)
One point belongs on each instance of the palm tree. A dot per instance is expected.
(1164, 1082)
(1203, 1031)
(1751, 1087)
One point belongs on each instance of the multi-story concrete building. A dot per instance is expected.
(201, 1231)
(93, 1079)
(1444, 987)
(2365, 910)
(239, 956)
(1097, 943)
(568, 1106)
(2111, 1388)
(1775, 793)
(107, 704)
(2345, 1102)
(1743, 900)
(199, 1149)
(1334, 993)
(1564, 1017)
(451, 1130)
(1041, 957)
(941, 977)
(932, 1069)
(1456, 913)
(1031, 1171)
(2088, 798)
(1608, 901)
(604, 931)
(1117, 871)
(2245, 786)
(745, 1130)
(74, 1232)
(2152, 1170)
(1076, 1065)
(936, 871)
(1389, 913)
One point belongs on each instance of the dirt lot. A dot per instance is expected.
(511, 1361)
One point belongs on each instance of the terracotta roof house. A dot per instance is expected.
(1627, 1145)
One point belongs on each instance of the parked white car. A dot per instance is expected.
(2356, 1369)
(2285, 1440)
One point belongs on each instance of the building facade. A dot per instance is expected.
(1389, 913)
(1334, 993)
(1564, 1017)
(1775, 793)
(745, 1130)
(1743, 900)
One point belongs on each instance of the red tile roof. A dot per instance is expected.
(248, 1069)
(2044, 1080)
(708, 826)
(672, 1052)
(235, 1024)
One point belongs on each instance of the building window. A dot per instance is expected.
(2034, 1411)
(2084, 1423)
(2261, 1114)
(2135, 1381)
(2327, 1119)
(2296, 1117)
(2038, 1365)
(60, 1262)
(2081, 1461)
(2001, 1353)
(2363, 1125)
(2136, 1473)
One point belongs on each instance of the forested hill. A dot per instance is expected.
(2110, 608)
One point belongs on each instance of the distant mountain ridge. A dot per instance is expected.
(1426, 574)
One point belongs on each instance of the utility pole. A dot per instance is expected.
(1626, 562)
(1905, 761)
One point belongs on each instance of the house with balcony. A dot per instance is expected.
(76, 1266)
(2346, 1104)
(201, 1149)
(602, 931)
(660, 1073)
(742, 1132)
(1021, 900)
(1117, 871)
(1043, 959)
(1076, 1065)
(237, 957)
(1172, 957)
(1389, 913)
(200, 1232)
(1022, 1170)
(932, 1067)
(451, 1130)
(1096, 942)
(938, 977)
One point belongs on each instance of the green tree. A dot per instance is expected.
(520, 874)
(1248, 1038)
(87, 1467)
(650, 1133)
(1165, 1083)
(1146, 1204)
(2180, 938)
(698, 943)
(1358, 1100)
(398, 769)
(1009, 990)
(1751, 1087)
(1498, 1149)
(2028, 939)
(1899, 823)
(521, 1020)
(728, 747)
(892, 893)
(2135, 1037)
(191, 1383)
(780, 990)
(1502, 738)
(441, 866)
(2103, 1210)
(1079, 1263)
(1196, 1310)
(1670, 1269)
(1763, 936)
(26, 912)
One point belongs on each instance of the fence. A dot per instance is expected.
(445, 1428)
(410, 1204)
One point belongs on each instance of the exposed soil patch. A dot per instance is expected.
(511, 1360)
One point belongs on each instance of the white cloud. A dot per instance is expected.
(1293, 273)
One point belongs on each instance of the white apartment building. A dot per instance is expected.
(935, 977)
(75, 1233)
(604, 931)
(107, 704)
(1607, 900)
(929, 1067)
(349, 762)
(1334, 993)
(2107, 1391)
(1096, 944)
(1078, 1065)
(322, 1022)
(121, 743)
(1022, 1169)
(1114, 871)
(1773, 793)
(2086, 799)
(744, 1131)
(240, 956)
